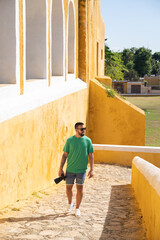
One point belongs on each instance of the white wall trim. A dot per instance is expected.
(125, 148)
(149, 171)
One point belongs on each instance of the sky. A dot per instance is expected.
(132, 23)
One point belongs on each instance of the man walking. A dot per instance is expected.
(77, 149)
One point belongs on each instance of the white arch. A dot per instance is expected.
(71, 38)
(7, 41)
(58, 38)
(36, 50)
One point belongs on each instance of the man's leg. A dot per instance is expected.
(79, 195)
(69, 193)
(69, 196)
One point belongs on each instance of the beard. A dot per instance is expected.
(81, 134)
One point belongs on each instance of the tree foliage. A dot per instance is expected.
(131, 64)
(142, 61)
(114, 66)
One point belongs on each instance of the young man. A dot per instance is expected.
(77, 149)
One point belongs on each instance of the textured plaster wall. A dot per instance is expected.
(96, 34)
(31, 145)
(91, 31)
(113, 120)
(147, 196)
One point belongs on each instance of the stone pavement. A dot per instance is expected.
(108, 211)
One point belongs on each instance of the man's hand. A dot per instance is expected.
(90, 174)
(60, 172)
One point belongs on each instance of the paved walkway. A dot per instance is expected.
(109, 211)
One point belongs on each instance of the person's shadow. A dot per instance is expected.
(32, 219)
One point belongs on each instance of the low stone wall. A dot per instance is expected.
(146, 182)
(123, 154)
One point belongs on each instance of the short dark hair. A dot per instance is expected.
(78, 123)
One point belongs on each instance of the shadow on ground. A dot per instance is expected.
(32, 219)
(124, 219)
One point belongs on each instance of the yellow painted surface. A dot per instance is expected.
(152, 80)
(149, 202)
(96, 34)
(106, 80)
(49, 42)
(87, 37)
(125, 87)
(21, 52)
(114, 120)
(31, 146)
(125, 158)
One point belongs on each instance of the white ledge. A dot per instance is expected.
(126, 148)
(149, 171)
(37, 93)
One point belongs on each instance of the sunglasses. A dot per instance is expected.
(82, 129)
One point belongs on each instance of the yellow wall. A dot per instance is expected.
(125, 87)
(125, 158)
(31, 145)
(96, 33)
(114, 120)
(149, 202)
(32, 142)
(106, 80)
(155, 80)
(91, 32)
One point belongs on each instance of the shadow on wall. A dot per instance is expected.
(124, 219)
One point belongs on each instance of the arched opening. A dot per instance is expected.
(7, 42)
(57, 38)
(71, 39)
(36, 51)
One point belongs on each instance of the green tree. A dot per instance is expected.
(114, 66)
(142, 61)
(155, 67)
(156, 56)
(156, 63)
(128, 56)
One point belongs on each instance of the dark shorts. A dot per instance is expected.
(70, 178)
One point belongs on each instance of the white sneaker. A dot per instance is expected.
(69, 208)
(77, 212)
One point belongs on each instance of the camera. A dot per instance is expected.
(59, 179)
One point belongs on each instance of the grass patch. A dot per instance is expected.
(110, 91)
(35, 194)
(15, 209)
(151, 107)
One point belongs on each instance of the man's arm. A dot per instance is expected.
(63, 160)
(91, 161)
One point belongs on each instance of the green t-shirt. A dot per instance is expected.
(78, 150)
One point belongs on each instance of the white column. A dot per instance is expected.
(7, 41)
(36, 40)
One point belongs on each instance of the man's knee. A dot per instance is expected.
(79, 188)
(69, 188)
